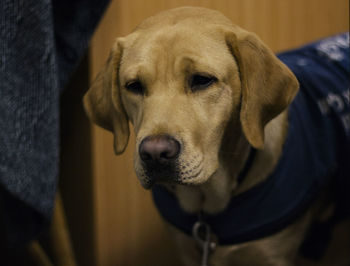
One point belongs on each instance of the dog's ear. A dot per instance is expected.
(103, 104)
(268, 86)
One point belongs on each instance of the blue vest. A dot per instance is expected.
(316, 153)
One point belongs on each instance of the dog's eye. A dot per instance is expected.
(200, 82)
(135, 87)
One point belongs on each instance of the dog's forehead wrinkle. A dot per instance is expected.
(163, 51)
(197, 64)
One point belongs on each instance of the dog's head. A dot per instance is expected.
(181, 78)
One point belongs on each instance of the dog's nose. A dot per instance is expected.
(159, 149)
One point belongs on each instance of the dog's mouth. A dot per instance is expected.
(170, 174)
(158, 173)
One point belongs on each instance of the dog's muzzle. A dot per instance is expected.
(159, 154)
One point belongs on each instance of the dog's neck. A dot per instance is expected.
(214, 195)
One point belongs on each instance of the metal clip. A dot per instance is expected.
(202, 234)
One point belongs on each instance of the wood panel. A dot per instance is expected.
(128, 230)
(76, 180)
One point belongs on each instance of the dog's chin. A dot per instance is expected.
(148, 183)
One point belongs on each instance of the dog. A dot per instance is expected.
(212, 110)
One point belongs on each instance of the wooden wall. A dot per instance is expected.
(127, 228)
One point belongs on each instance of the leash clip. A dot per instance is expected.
(201, 233)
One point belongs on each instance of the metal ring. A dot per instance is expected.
(195, 232)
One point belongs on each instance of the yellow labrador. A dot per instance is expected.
(200, 92)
